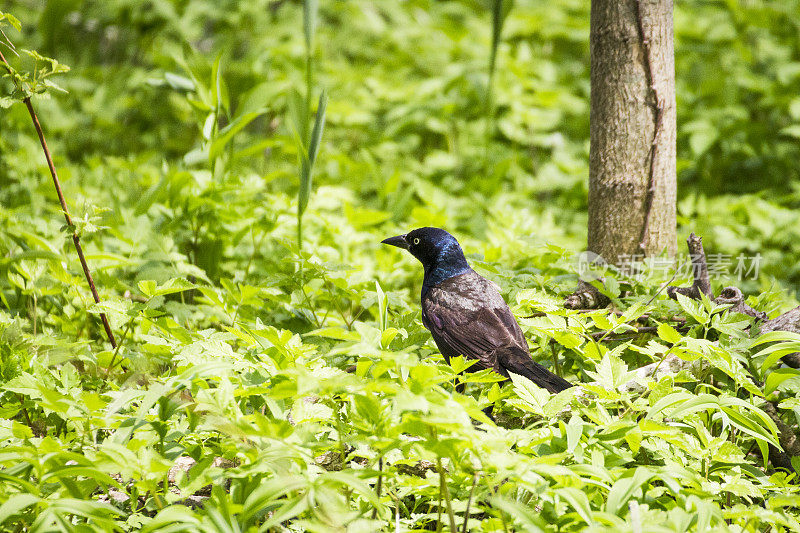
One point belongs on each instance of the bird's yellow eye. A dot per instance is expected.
(416, 241)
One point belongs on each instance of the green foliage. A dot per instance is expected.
(34, 78)
(296, 385)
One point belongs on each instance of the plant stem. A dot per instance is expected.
(329, 286)
(300, 234)
(439, 509)
(308, 302)
(309, 84)
(305, 126)
(35, 312)
(497, 28)
(21, 399)
(469, 501)
(556, 366)
(378, 485)
(75, 238)
(118, 346)
(499, 511)
(339, 430)
(396, 512)
(446, 492)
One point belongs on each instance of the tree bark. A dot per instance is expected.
(632, 184)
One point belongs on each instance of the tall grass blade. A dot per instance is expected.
(500, 11)
(310, 9)
(308, 157)
(319, 125)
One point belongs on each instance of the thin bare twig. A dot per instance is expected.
(616, 312)
(600, 336)
(75, 237)
(625, 334)
(661, 289)
(6, 41)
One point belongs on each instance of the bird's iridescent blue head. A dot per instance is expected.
(438, 251)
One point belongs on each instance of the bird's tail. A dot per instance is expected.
(538, 374)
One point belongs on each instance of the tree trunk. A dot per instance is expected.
(632, 185)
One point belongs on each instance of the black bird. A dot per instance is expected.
(465, 313)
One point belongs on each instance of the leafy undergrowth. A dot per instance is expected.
(355, 423)
(261, 386)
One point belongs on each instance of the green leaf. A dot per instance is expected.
(693, 405)
(534, 396)
(298, 120)
(175, 518)
(668, 334)
(218, 99)
(269, 495)
(11, 20)
(355, 484)
(567, 339)
(307, 163)
(292, 508)
(777, 377)
(574, 432)
(791, 131)
(178, 82)
(222, 139)
(702, 136)
(624, 488)
(773, 336)
(578, 501)
(461, 363)
(383, 307)
(693, 308)
(524, 514)
(667, 402)
(150, 289)
(609, 287)
(611, 372)
(16, 503)
(500, 11)
(334, 332)
(786, 342)
(558, 402)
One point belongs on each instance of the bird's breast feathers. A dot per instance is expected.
(467, 316)
(467, 292)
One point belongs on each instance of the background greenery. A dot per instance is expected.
(177, 146)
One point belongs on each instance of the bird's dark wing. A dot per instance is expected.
(467, 316)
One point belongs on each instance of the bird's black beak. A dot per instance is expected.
(399, 241)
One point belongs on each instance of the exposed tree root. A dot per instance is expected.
(787, 436)
(789, 321)
(671, 365)
(586, 297)
(701, 285)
